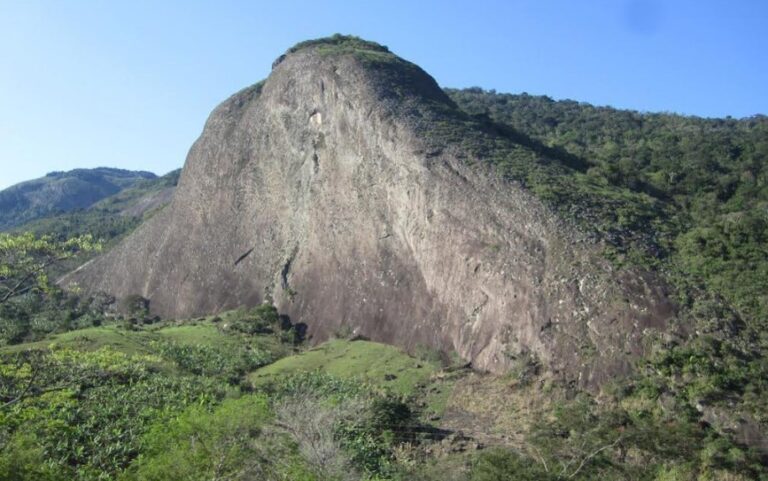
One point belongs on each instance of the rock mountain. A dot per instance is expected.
(329, 189)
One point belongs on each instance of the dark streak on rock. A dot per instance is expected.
(247, 253)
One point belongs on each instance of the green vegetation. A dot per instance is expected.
(87, 397)
(202, 444)
(370, 362)
(104, 402)
(114, 403)
(341, 43)
(26, 259)
(30, 305)
(694, 188)
(85, 411)
(364, 50)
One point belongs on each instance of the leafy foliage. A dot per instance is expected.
(697, 187)
(502, 464)
(342, 426)
(25, 261)
(210, 361)
(340, 42)
(200, 444)
(259, 320)
(87, 410)
(29, 304)
(34, 315)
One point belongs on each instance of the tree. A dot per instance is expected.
(27, 260)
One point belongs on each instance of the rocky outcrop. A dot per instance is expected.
(317, 189)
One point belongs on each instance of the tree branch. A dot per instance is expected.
(593, 454)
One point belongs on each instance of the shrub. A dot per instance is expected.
(502, 464)
(204, 445)
(263, 319)
(136, 306)
(205, 360)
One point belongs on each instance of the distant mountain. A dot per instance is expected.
(59, 192)
(111, 217)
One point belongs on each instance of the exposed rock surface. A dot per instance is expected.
(149, 202)
(318, 190)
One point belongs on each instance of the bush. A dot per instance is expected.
(342, 425)
(23, 459)
(263, 319)
(136, 306)
(235, 440)
(203, 445)
(80, 415)
(502, 464)
(203, 360)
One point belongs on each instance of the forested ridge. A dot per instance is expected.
(702, 186)
(709, 178)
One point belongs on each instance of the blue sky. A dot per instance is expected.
(129, 84)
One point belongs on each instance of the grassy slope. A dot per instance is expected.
(379, 365)
(137, 342)
(368, 361)
(492, 410)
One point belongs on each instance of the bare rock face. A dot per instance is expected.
(317, 190)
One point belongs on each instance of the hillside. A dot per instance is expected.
(111, 217)
(59, 192)
(240, 395)
(349, 190)
(712, 173)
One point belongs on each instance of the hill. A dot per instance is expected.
(351, 191)
(111, 217)
(59, 192)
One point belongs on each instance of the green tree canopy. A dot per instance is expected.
(26, 260)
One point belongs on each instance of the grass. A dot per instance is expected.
(498, 408)
(200, 333)
(379, 364)
(196, 334)
(438, 392)
(340, 43)
(89, 339)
